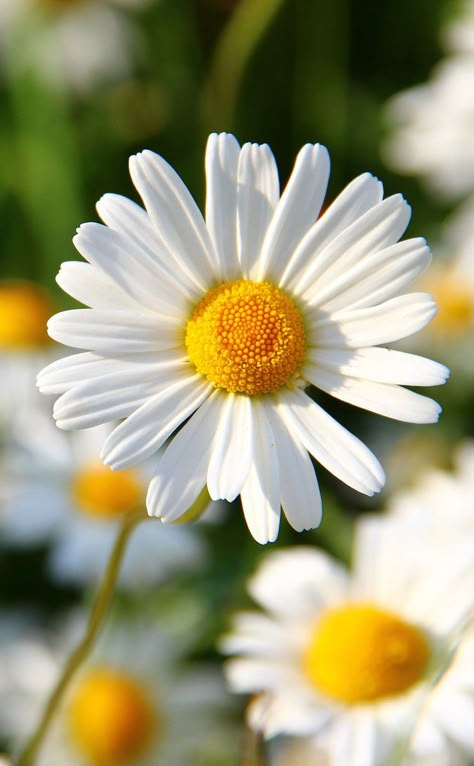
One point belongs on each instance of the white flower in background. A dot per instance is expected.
(133, 702)
(432, 124)
(24, 349)
(351, 658)
(66, 497)
(222, 324)
(451, 281)
(442, 502)
(76, 43)
(458, 35)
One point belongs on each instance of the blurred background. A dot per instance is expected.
(86, 83)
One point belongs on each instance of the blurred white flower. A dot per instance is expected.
(24, 349)
(220, 325)
(352, 658)
(133, 702)
(451, 282)
(432, 124)
(73, 43)
(442, 501)
(60, 493)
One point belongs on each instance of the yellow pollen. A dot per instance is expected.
(359, 653)
(103, 493)
(24, 311)
(246, 337)
(110, 718)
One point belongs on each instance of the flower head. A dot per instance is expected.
(221, 323)
(354, 659)
(127, 703)
(66, 497)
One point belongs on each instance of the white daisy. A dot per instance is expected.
(74, 43)
(24, 349)
(451, 281)
(442, 501)
(224, 323)
(432, 123)
(352, 658)
(133, 702)
(66, 497)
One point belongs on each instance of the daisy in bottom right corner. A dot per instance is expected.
(372, 667)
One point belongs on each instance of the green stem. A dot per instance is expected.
(80, 653)
(237, 43)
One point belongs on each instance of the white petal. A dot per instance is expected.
(381, 365)
(299, 490)
(100, 400)
(339, 451)
(354, 740)
(113, 332)
(257, 197)
(260, 494)
(374, 278)
(138, 273)
(390, 321)
(91, 286)
(231, 454)
(222, 160)
(136, 228)
(176, 218)
(297, 210)
(357, 198)
(147, 428)
(72, 370)
(385, 399)
(181, 470)
(457, 720)
(378, 228)
(296, 583)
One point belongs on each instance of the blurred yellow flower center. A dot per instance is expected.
(246, 337)
(24, 311)
(110, 718)
(101, 492)
(359, 653)
(455, 304)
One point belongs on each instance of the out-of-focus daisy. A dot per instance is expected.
(76, 43)
(432, 123)
(133, 702)
(224, 323)
(442, 500)
(451, 281)
(67, 497)
(24, 348)
(352, 658)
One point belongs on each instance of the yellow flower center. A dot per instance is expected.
(455, 304)
(103, 493)
(247, 337)
(24, 311)
(110, 717)
(359, 653)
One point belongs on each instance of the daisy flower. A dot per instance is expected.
(432, 123)
(126, 705)
(439, 495)
(24, 348)
(73, 43)
(451, 281)
(67, 497)
(352, 658)
(221, 323)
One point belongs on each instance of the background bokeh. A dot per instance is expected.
(284, 72)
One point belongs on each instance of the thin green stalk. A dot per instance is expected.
(80, 653)
(237, 43)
